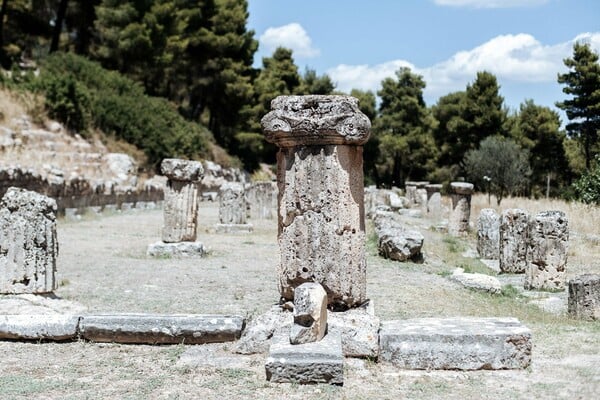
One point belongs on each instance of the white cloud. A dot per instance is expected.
(490, 3)
(512, 58)
(292, 36)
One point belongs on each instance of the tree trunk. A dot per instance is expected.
(60, 17)
(3, 10)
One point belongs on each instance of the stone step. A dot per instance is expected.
(123, 328)
(455, 343)
(39, 327)
(316, 362)
(161, 329)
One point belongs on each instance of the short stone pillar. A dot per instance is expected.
(28, 243)
(180, 210)
(181, 199)
(410, 191)
(458, 224)
(548, 244)
(488, 234)
(584, 297)
(321, 197)
(513, 241)
(261, 199)
(434, 199)
(232, 209)
(421, 194)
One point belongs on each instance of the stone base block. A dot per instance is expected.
(455, 343)
(234, 228)
(38, 327)
(317, 362)
(359, 330)
(181, 249)
(161, 329)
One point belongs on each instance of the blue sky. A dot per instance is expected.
(359, 43)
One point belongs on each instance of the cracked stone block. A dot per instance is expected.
(548, 245)
(455, 343)
(28, 242)
(256, 338)
(359, 330)
(181, 199)
(321, 194)
(310, 313)
(458, 223)
(513, 240)
(315, 362)
(488, 234)
(584, 297)
(161, 329)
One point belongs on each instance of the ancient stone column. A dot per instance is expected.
(434, 199)
(548, 243)
(321, 195)
(584, 297)
(232, 209)
(488, 234)
(28, 243)
(261, 198)
(181, 199)
(458, 224)
(513, 241)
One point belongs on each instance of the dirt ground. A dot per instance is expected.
(103, 266)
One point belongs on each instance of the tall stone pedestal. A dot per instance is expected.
(548, 244)
(513, 240)
(488, 234)
(321, 195)
(434, 200)
(232, 209)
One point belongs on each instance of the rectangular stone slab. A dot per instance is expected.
(39, 327)
(161, 329)
(455, 343)
(317, 362)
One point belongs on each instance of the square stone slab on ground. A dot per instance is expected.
(316, 362)
(456, 343)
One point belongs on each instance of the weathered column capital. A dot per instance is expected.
(462, 188)
(315, 120)
(182, 170)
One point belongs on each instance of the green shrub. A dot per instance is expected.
(119, 107)
(587, 188)
(69, 102)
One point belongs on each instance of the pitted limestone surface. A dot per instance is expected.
(182, 170)
(488, 234)
(513, 240)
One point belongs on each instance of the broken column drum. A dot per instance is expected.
(232, 203)
(28, 243)
(458, 224)
(181, 199)
(488, 234)
(548, 244)
(321, 195)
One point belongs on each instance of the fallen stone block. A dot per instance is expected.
(181, 249)
(256, 338)
(315, 362)
(234, 228)
(481, 282)
(359, 331)
(55, 327)
(310, 313)
(455, 343)
(161, 329)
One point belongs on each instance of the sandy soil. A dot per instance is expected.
(103, 267)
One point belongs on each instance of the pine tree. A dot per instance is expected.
(582, 82)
